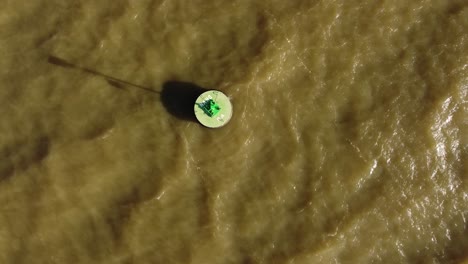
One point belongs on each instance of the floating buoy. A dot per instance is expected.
(213, 109)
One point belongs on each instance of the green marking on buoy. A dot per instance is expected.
(209, 107)
(213, 109)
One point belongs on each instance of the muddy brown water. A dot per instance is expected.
(348, 142)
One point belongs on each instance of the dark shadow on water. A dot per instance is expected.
(115, 82)
(179, 98)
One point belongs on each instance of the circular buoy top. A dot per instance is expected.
(213, 109)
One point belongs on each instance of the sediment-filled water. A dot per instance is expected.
(348, 141)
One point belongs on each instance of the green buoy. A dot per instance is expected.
(213, 109)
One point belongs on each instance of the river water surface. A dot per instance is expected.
(348, 142)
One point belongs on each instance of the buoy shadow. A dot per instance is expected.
(179, 98)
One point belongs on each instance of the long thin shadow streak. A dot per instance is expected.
(117, 83)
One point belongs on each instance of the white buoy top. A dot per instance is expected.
(213, 109)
